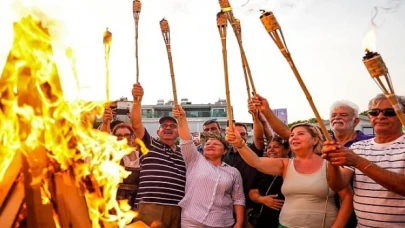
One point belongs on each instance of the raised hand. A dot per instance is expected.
(233, 137)
(260, 103)
(108, 115)
(137, 92)
(178, 112)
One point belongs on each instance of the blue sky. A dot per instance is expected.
(324, 37)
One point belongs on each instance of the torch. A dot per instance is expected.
(273, 28)
(136, 8)
(245, 73)
(164, 26)
(227, 9)
(222, 25)
(107, 38)
(379, 72)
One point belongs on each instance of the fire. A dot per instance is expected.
(370, 40)
(37, 121)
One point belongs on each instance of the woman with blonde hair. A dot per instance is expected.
(309, 202)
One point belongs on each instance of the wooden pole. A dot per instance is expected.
(239, 37)
(39, 213)
(164, 26)
(107, 39)
(273, 28)
(226, 8)
(222, 25)
(136, 7)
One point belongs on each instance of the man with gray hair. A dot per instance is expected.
(344, 117)
(377, 166)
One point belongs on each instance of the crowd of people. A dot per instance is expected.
(287, 178)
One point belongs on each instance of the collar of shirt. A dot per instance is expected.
(359, 137)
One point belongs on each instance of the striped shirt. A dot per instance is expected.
(374, 205)
(211, 191)
(162, 178)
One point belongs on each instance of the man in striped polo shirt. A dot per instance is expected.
(163, 171)
(377, 166)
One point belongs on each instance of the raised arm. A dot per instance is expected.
(136, 113)
(276, 124)
(188, 149)
(107, 117)
(267, 131)
(271, 166)
(258, 132)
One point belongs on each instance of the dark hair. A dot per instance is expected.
(115, 123)
(241, 125)
(281, 141)
(208, 135)
(212, 121)
(122, 125)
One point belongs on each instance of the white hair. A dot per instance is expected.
(379, 97)
(345, 103)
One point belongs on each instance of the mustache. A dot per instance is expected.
(167, 131)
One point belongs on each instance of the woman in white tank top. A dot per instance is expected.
(309, 202)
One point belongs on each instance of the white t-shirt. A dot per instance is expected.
(374, 205)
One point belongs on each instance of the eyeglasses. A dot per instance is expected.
(243, 134)
(171, 126)
(389, 112)
(124, 135)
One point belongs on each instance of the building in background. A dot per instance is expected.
(196, 114)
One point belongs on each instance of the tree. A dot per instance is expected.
(311, 120)
(364, 113)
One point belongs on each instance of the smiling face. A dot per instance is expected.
(168, 131)
(343, 119)
(384, 123)
(214, 149)
(276, 150)
(305, 139)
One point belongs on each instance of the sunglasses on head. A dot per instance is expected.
(389, 112)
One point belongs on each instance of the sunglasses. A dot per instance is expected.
(389, 112)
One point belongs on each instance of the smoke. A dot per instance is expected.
(379, 13)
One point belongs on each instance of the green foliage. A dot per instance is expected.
(364, 113)
(311, 120)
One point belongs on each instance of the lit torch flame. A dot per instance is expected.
(370, 41)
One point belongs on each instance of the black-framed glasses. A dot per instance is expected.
(124, 135)
(171, 126)
(388, 112)
(243, 134)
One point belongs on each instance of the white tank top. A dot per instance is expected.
(305, 199)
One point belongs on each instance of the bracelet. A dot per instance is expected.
(242, 144)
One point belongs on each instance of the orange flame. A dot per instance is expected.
(37, 120)
(370, 40)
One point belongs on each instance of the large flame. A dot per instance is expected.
(37, 121)
(370, 40)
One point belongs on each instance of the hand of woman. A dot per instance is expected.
(260, 103)
(178, 112)
(233, 137)
(108, 115)
(270, 201)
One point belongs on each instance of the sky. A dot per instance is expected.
(324, 37)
